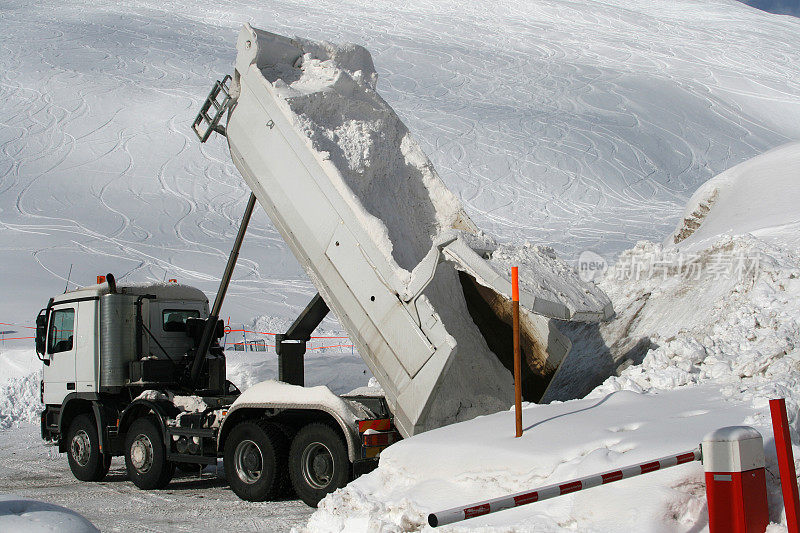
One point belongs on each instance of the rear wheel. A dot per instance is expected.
(145, 456)
(318, 462)
(85, 459)
(255, 461)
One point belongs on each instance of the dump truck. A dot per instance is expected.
(137, 370)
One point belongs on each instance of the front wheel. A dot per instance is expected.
(85, 459)
(146, 457)
(318, 462)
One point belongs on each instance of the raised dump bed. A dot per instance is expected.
(422, 292)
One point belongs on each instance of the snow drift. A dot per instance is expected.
(760, 196)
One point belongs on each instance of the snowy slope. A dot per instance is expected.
(584, 125)
(581, 124)
(760, 196)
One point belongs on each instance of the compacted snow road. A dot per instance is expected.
(30, 469)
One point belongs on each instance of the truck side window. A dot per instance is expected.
(175, 319)
(62, 329)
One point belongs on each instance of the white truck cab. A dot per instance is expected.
(91, 334)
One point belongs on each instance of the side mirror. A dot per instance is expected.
(41, 335)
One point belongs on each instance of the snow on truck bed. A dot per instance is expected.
(389, 187)
(389, 182)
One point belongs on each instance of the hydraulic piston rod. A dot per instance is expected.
(211, 323)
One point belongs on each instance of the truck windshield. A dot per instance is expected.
(62, 325)
(175, 319)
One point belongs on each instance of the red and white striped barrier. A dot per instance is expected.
(456, 514)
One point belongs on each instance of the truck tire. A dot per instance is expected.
(318, 462)
(255, 461)
(85, 459)
(146, 457)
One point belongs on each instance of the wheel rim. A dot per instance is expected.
(248, 461)
(317, 462)
(80, 447)
(142, 453)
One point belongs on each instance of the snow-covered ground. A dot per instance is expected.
(190, 503)
(30, 469)
(581, 125)
(481, 459)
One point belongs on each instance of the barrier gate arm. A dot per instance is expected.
(457, 514)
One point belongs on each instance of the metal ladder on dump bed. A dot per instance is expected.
(208, 122)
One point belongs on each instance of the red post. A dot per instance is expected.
(783, 445)
(733, 459)
(517, 355)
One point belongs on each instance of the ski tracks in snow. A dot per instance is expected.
(582, 128)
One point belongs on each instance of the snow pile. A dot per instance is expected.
(738, 330)
(706, 332)
(19, 400)
(737, 202)
(20, 377)
(271, 393)
(32, 516)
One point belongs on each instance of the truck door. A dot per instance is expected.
(59, 376)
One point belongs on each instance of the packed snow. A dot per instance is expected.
(30, 516)
(271, 393)
(583, 126)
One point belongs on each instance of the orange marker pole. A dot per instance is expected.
(517, 356)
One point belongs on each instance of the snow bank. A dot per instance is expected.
(20, 375)
(760, 196)
(30, 516)
(706, 333)
(480, 459)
